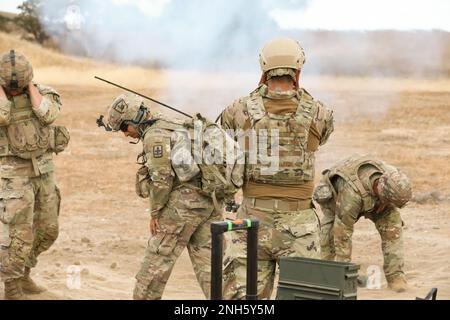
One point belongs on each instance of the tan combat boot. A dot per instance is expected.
(28, 285)
(13, 290)
(397, 284)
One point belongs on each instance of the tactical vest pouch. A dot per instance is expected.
(60, 138)
(204, 148)
(220, 159)
(142, 186)
(28, 138)
(224, 179)
(289, 133)
(323, 192)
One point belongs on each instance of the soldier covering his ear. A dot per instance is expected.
(29, 197)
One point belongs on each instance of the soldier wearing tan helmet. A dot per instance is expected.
(181, 205)
(29, 197)
(363, 186)
(280, 196)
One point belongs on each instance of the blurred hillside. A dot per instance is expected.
(6, 22)
(40, 56)
(58, 68)
(7, 14)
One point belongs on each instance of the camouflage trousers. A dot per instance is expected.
(336, 238)
(29, 210)
(184, 221)
(281, 234)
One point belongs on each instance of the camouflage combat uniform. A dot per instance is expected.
(281, 200)
(185, 215)
(351, 197)
(29, 198)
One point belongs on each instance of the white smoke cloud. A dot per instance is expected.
(367, 15)
(226, 36)
(178, 34)
(151, 8)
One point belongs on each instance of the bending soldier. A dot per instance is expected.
(363, 186)
(181, 212)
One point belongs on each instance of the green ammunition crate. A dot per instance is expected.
(312, 279)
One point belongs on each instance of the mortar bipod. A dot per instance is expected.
(217, 231)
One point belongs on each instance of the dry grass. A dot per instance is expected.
(8, 15)
(58, 69)
(39, 56)
(424, 151)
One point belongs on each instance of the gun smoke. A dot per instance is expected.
(225, 37)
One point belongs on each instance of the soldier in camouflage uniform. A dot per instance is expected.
(363, 186)
(279, 197)
(181, 214)
(29, 197)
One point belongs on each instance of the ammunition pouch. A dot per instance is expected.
(59, 138)
(323, 192)
(28, 138)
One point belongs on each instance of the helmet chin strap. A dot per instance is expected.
(135, 142)
(297, 80)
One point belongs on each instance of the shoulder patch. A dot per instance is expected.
(158, 151)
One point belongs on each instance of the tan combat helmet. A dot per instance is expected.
(282, 53)
(394, 187)
(126, 109)
(16, 71)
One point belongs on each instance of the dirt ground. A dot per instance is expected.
(104, 225)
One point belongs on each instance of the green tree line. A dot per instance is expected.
(27, 21)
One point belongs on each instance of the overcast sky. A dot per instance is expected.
(332, 14)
